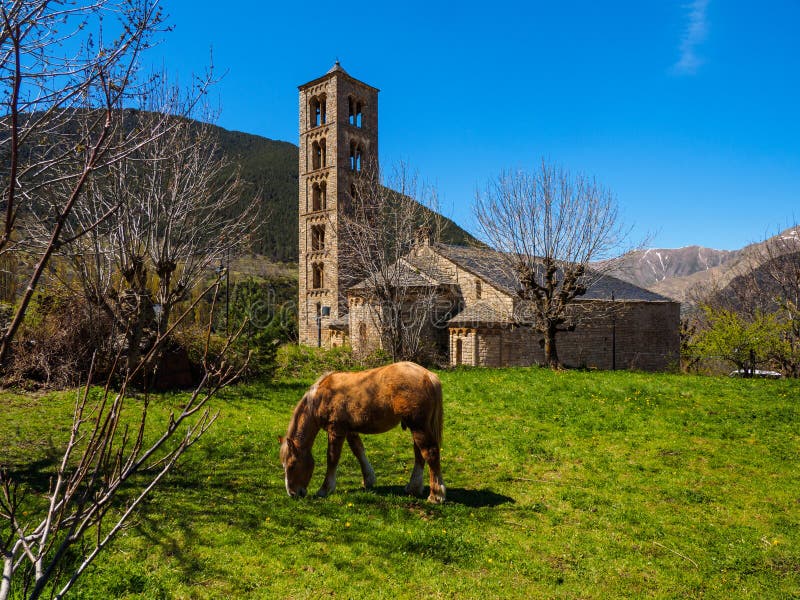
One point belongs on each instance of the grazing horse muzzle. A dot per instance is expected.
(298, 466)
(299, 493)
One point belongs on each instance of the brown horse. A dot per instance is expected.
(374, 401)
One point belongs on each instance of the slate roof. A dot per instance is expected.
(493, 267)
(340, 324)
(432, 269)
(337, 68)
(478, 313)
(408, 275)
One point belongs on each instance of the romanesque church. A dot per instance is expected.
(622, 326)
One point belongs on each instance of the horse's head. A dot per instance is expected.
(298, 465)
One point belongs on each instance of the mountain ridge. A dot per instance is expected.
(688, 273)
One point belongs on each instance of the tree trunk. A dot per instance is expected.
(550, 351)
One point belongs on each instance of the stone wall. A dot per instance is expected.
(365, 335)
(466, 281)
(622, 335)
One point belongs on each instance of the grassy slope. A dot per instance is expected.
(575, 484)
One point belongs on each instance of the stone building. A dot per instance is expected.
(338, 134)
(475, 319)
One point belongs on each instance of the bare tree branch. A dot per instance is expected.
(378, 228)
(549, 226)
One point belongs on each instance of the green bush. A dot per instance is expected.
(263, 321)
(734, 338)
(295, 361)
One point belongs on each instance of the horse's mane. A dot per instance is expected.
(307, 404)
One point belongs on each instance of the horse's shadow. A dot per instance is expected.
(472, 498)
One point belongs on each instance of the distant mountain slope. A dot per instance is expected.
(687, 273)
(646, 268)
(759, 290)
(271, 169)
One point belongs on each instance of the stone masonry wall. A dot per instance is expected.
(467, 282)
(645, 336)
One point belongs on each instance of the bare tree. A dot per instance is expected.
(168, 213)
(549, 225)
(378, 228)
(61, 123)
(47, 542)
(782, 268)
(64, 133)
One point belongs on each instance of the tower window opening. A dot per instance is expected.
(318, 237)
(317, 111)
(478, 289)
(317, 276)
(354, 112)
(318, 199)
(459, 352)
(318, 154)
(356, 156)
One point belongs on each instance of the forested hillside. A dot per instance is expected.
(271, 169)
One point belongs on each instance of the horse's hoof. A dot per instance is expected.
(369, 482)
(414, 491)
(322, 493)
(438, 496)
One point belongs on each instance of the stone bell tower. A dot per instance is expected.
(338, 135)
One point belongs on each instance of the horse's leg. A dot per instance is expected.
(416, 485)
(335, 443)
(430, 452)
(367, 472)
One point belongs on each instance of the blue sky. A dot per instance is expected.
(688, 111)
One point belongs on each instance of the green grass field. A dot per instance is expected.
(560, 485)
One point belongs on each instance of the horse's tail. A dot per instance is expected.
(437, 412)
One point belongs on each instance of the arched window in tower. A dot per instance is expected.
(318, 196)
(356, 156)
(478, 289)
(317, 276)
(317, 111)
(318, 154)
(317, 238)
(459, 351)
(354, 112)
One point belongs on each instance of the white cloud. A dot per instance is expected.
(696, 29)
